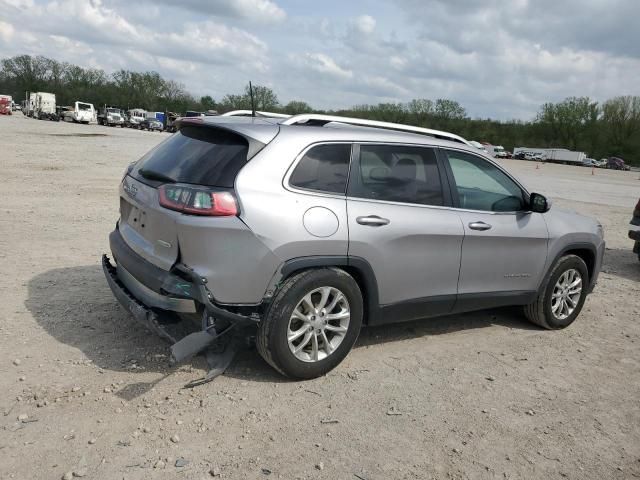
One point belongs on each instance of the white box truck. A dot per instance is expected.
(496, 151)
(81, 112)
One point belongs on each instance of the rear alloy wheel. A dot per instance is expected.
(318, 324)
(312, 323)
(562, 295)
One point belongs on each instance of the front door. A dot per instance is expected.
(397, 223)
(505, 245)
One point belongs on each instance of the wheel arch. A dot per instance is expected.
(357, 267)
(585, 251)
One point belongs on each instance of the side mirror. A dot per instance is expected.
(538, 203)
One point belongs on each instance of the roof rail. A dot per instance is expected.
(321, 120)
(245, 113)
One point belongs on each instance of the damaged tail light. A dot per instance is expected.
(196, 200)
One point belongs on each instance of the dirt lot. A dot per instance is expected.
(482, 395)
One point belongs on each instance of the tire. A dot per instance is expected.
(272, 341)
(540, 311)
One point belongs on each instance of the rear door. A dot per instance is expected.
(400, 224)
(505, 245)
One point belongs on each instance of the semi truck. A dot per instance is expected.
(551, 155)
(44, 106)
(111, 116)
(5, 105)
(135, 117)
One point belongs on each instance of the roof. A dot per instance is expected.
(264, 129)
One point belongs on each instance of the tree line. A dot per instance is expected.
(577, 123)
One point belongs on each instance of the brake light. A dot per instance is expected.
(198, 200)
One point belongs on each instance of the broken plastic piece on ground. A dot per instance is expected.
(219, 356)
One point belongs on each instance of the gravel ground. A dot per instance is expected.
(85, 391)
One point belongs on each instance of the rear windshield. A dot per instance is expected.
(196, 155)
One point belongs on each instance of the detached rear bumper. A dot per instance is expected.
(149, 287)
(138, 310)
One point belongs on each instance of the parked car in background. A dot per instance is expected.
(590, 162)
(616, 163)
(305, 228)
(81, 112)
(634, 229)
(151, 124)
(111, 117)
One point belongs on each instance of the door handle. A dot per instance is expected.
(479, 226)
(372, 221)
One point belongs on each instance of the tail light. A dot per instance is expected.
(198, 200)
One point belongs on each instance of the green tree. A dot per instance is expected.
(295, 107)
(265, 99)
(621, 121)
(207, 103)
(569, 121)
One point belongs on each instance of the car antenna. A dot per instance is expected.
(253, 104)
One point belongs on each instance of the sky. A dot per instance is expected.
(500, 59)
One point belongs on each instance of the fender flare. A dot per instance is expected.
(358, 267)
(567, 248)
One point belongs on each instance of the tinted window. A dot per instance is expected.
(398, 173)
(324, 168)
(483, 186)
(197, 155)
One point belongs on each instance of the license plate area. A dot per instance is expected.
(135, 217)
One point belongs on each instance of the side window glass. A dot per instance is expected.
(483, 186)
(323, 168)
(398, 173)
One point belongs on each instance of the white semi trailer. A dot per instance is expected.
(552, 155)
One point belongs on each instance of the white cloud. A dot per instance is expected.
(260, 11)
(365, 23)
(6, 31)
(321, 63)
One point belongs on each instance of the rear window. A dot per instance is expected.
(324, 168)
(196, 155)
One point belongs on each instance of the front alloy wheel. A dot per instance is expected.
(566, 294)
(561, 295)
(318, 324)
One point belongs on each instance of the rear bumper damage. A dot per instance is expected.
(152, 295)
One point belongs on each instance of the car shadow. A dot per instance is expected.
(76, 307)
(621, 263)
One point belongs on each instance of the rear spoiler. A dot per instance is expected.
(257, 134)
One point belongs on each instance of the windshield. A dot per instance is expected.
(196, 155)
(113, 110)
(84, 106)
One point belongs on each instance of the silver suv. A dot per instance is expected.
(309, 227)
